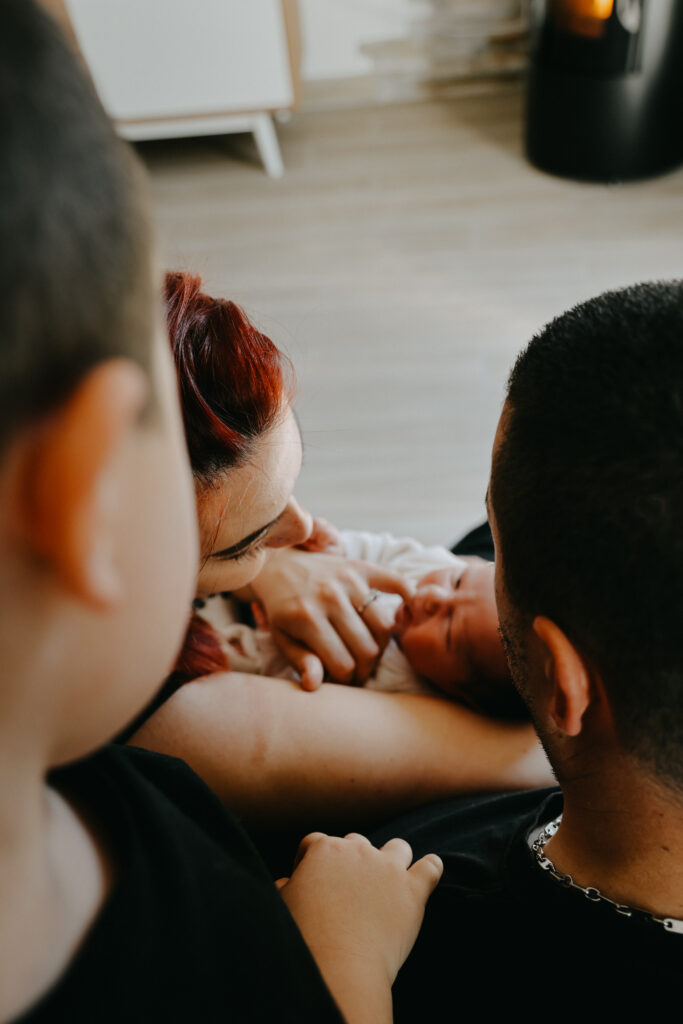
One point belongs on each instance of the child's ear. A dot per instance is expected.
(568, 676)
(70, 477)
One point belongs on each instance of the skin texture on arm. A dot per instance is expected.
(339, 757)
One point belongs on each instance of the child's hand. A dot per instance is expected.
(359, 910)
(323, 537)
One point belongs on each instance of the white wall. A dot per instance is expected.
(333, 31)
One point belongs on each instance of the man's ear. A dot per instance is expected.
(69, 481)
(568, 675)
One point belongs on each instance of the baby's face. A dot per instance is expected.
(448, 630)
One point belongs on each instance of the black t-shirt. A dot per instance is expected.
(500, 935)
(193, 929)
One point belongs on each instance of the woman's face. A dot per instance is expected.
(251, 509)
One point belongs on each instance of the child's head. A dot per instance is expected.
(97, 520)
(76, 277)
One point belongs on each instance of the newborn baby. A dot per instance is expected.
(446, 637)
(448, 633)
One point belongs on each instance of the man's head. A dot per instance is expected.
(586, 500)
(97, 527)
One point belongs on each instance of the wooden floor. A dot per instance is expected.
(405, 258)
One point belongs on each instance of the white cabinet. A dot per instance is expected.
(187, 67)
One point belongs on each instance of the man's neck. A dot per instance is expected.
(622, 833)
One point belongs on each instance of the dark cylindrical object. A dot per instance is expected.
(605, 91)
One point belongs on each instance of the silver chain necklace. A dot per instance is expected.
(670, 924)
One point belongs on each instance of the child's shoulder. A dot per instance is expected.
(124, 787)
(190, 900)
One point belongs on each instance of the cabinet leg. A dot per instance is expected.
(268, 145)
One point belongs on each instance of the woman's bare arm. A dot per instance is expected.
(338, 757)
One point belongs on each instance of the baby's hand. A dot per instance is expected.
(359, 910)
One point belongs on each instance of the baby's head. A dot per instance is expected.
(445, 629)
(448, 631)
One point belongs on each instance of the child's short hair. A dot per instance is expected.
(75, 273)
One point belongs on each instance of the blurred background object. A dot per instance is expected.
(387, 51)
(452, 40)
(605, 96)
(167, 68)
(409, 251)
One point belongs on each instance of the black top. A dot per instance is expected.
(501, 935)
(193, 929)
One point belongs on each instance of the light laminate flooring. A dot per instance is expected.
(402, 262)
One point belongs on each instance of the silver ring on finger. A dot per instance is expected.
(371, 596)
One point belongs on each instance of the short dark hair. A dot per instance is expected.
(587, 491)
(76, 283)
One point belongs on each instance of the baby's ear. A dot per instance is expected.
(69, 476)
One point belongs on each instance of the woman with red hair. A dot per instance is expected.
(275, 754)
(236, 391)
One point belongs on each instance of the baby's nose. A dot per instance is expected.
(431, 599)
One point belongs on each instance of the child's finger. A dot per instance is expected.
(401, 850)
(305, 845)
(427, 871)
(280, 883)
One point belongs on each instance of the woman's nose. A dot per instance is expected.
(294, 526)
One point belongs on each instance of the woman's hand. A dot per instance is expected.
(311, 603)
(359, 910)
